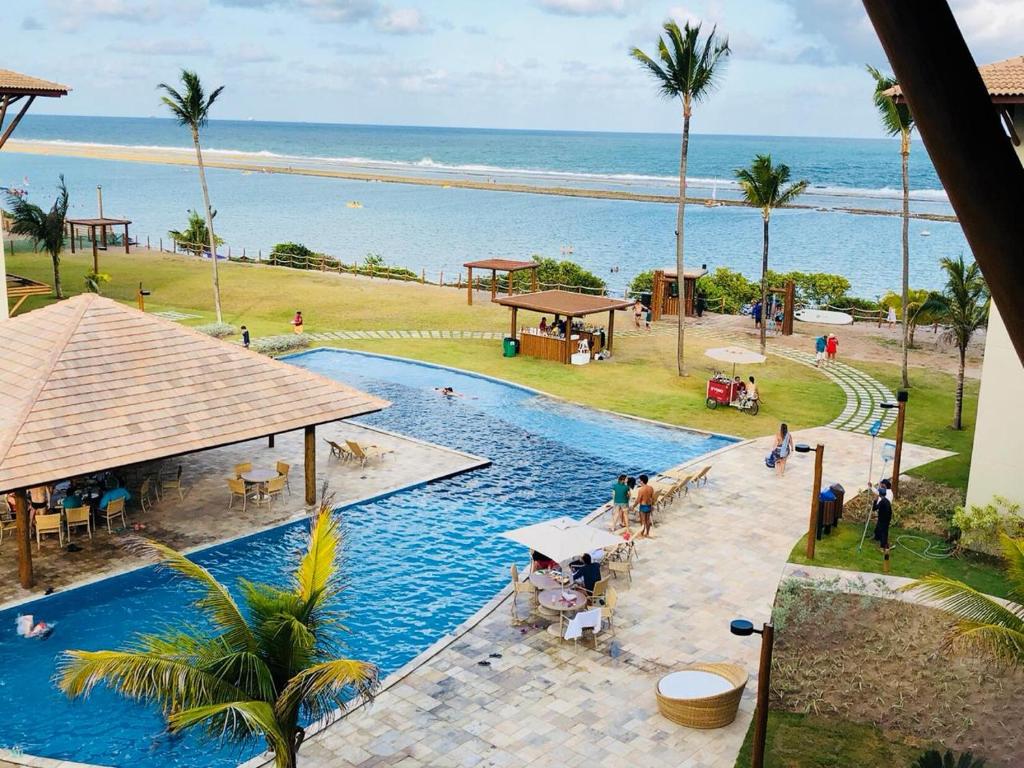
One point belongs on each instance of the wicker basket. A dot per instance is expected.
(710, 711)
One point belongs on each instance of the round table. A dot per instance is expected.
(258, 477)
(543, 580)
(553, 600)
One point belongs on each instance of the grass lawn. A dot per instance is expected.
(839, 550)
(929, 415)
(807, 741)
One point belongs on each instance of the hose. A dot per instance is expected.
(931, 551)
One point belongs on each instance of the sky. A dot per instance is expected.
(796, 68)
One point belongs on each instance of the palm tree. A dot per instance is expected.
(934, 759)
(765, 186)
(192, 109)
(259, 672)
(963, 307)
(897, 121)
(195, 237)
(690, 69)
(981, 621)
(45, 229)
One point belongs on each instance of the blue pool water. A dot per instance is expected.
(549, 458)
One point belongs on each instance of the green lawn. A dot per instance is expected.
(839, 550)
(808, 741)
(929, 415)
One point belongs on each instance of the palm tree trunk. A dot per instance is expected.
(958, 401)
(905, 297)
(764, 283)
(680, 220)
(58, 291)
(209, 226)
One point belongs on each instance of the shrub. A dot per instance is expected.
(980, 526)
(642, 283)
(728, 289)
(566, 273)
(217, 330)
(278, 345)
(93, 281)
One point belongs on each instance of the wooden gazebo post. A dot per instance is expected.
(533, 279)
(126, 239)
(568, 339)
(611, 329)
(24, 539)
(657, 295)
(469, 286)
(309, 465)
(95, 251)
(515, 312)
(494, 284)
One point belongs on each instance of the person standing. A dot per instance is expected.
(819, 351)
(831, 347)
(783, 447)
(756, 313)
(700, 304)
(648, 316)
(638, 312)
(890, 318)
(882, 508)
(245, 337)
(645, 506)
(620, 504)
(297, 321)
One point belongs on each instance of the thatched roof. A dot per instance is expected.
(17, 84)
(1004, 80)
(502, 265)
(88, 384)
(564, 303)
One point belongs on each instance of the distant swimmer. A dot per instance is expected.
(26, 627)
(447, 392)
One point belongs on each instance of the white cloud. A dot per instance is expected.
(72, 14)
(589, 7)
(402, 21)
(161, 47)
(31, 24)
(340, 11)
(250, 53)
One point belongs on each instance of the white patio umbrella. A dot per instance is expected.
(735, 355)
(563, 538)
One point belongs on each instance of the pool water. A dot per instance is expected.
(417, 563)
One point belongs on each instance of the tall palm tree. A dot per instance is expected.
(981, 621)
(766, 186)
(259, 672)
(45, 229)
(897, 121)
(191, 108)
(689, 70)
(963, 308)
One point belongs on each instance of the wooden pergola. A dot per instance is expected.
(20, 288)
(568, 305)
(496, 266)
(15, 87)
(665, 292)
(88, 385)
(101, 224)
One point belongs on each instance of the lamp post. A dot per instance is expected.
(812, 525)
(745, 628)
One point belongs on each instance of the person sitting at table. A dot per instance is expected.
(71, 500)
(541, 562)
(543, 325)
(586, 572)
(112, 494)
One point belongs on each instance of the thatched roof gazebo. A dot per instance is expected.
(97, 228)
(89, 385)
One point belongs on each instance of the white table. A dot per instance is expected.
(556, 600)
(259, 477)
(693, 684)
(543, 580)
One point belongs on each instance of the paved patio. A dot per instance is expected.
(718, 553)
(202, 518)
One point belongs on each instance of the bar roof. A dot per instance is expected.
(563, 303)
(98, 222)
(17, 84)
(1003, 79)
(88, 384)
(691, 274)
(502, 265)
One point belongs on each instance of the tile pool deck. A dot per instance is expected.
(200, 520)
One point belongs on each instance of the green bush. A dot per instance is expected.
(566, 273)
(642, 283)
(727, 290)
(296, 256)
(980, 526)
(278, 345)
(217, 330)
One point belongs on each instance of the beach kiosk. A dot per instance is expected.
(97, 229)
(564, 340)
(499, 265)
(665, 291)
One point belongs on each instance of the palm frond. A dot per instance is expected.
(655, 69)
(318, 566)
(690, 67)
(896, 118)
(1002, 642)
(190, 106)
(965, 602)
(1013, 559)
(322, 688)
(233, 718)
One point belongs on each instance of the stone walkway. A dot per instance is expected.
(717, 554)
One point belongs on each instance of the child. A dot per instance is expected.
(245, 337)
(297, 321)
(831, 346)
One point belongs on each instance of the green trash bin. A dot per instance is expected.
(511, 346)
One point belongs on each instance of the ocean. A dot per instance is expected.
(437, 228)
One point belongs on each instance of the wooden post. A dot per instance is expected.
(508, 277)
(787, 313)
(423, 276)
(148, 247)
(440, 279)
(568, 340)
(270, 441)
(309, 465)
(24, 540)
(95, 252)
(72, 237)
(126, 249)
(611, 329)
(533, 280)
(103, 236)
(901, 400)
(657, 295)
(494, 284)
(812, 525)
(764, 673)
(469, 286)
(515, 311)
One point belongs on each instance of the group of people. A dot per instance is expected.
(825, 348)
(633, 494)
(586, 570)
(72, 494)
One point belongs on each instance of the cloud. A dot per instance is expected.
(31, 24)
(402, 21)
(353, 49)
(251, 53)
(334, 11)
(589, 7)
(161, 47)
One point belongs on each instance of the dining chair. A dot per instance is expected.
(273, 488)
(611, 601)
(582, 621)
(238, 489)
(285, 469)
(8, 522)
(78, 517)
(519, 587)
(175, 485)
(145, 494)
(46, 524)
(241, 469)
(114, 510)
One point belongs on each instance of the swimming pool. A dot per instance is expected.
(417, 563)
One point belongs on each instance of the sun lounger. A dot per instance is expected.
(340, 451)
(701, 478)
(363, 453)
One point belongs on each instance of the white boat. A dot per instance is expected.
(925, 233)
(353, 204)
(713, 202)
(823, 316)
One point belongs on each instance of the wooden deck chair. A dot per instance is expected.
(615, 567)
(611, 600)
(284, 469)
(241, 469)
(8, 522)
(77, 517)
(339, 451)
(701, 478)
(600, 587)
(518, 588)
(363, 453)
(239, 490)
(175, 485)
(145, 494)
(46, 524)
(114, 510)
(274, 488)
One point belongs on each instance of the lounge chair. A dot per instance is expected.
(283, 469)
(701, 478)
(46, 524)
(114, 510)
(363, 453)
(339, 451)
(519, 587)
(77, 517)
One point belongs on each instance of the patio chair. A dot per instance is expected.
(241, 469)
(339, 451)
(77, 517)
(114, 510)
(46, 524)
(363, 453)
(582, 621)
(701, 478)
(615, 567)
(145, 494)
(284, 469)
(175, 485)
(238, 489)
(611, 600)
(599, 591)
(519, 587)
(274, 488)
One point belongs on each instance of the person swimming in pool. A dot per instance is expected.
(447, 392)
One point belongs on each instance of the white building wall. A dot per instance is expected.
(997, 464)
